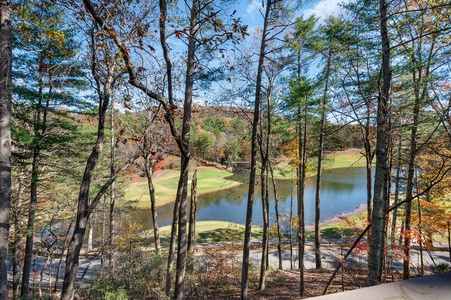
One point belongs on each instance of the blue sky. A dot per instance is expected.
(249, 10)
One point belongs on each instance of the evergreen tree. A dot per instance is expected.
(46, 77)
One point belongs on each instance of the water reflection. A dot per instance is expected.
(342, 190)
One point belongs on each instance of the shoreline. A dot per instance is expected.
(338, 218)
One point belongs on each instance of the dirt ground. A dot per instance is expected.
(284, 285)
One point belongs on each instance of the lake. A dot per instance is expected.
(343, 190)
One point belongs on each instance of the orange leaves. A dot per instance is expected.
(178, 33)
(140, 32)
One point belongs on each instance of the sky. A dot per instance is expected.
(249, 10)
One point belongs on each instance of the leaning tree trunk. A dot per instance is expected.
(85, 208)
(5, 137)
(254, 147)
(179, 292)
(183, 139)
(378, 230)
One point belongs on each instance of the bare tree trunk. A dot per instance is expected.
(395, 203)
(103, 241)
(16, 214)
(378, 230)
(192, 216)
(318, 264)
(419, 95)
(320, 153)
(302, 157)
(39, 127)
(30, 227)
(41, 274)
(111, 236)
(179, 289)
(276, 208)
(16, 260)
(58, 269)
(5, 137)
(90, 232)
(254, 147)
(172, 239)
(421, 238)
(153, 208)
(290, 219)
(410, 186)
(265, 209)
(85, 206)
(369, 186)
(179, 292)
(264, 153)
(192, 222)
(449, 240)
(356, 242)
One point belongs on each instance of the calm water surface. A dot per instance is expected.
(342, 191)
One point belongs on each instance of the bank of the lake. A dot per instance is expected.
(214, 180)
(209, 232)
(211, 179)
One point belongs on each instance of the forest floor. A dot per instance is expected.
(284, 284)
(280, 285)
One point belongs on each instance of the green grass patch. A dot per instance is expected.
(210, 179)
(347, 227)
(210, 232)
(341, 159)
(344, 160)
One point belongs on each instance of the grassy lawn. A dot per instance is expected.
(352, 226)
(210, 232)
(341, 159)
(209, 179)
(345, 160)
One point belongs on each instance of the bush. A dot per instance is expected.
(443, 267)
(138, 275)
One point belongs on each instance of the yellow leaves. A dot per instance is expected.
(128, 237)
(217, 23)
(56, 36)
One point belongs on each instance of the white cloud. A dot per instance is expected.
(325, 8)
(255, 5)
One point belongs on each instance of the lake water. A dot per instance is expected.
(343, 190)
